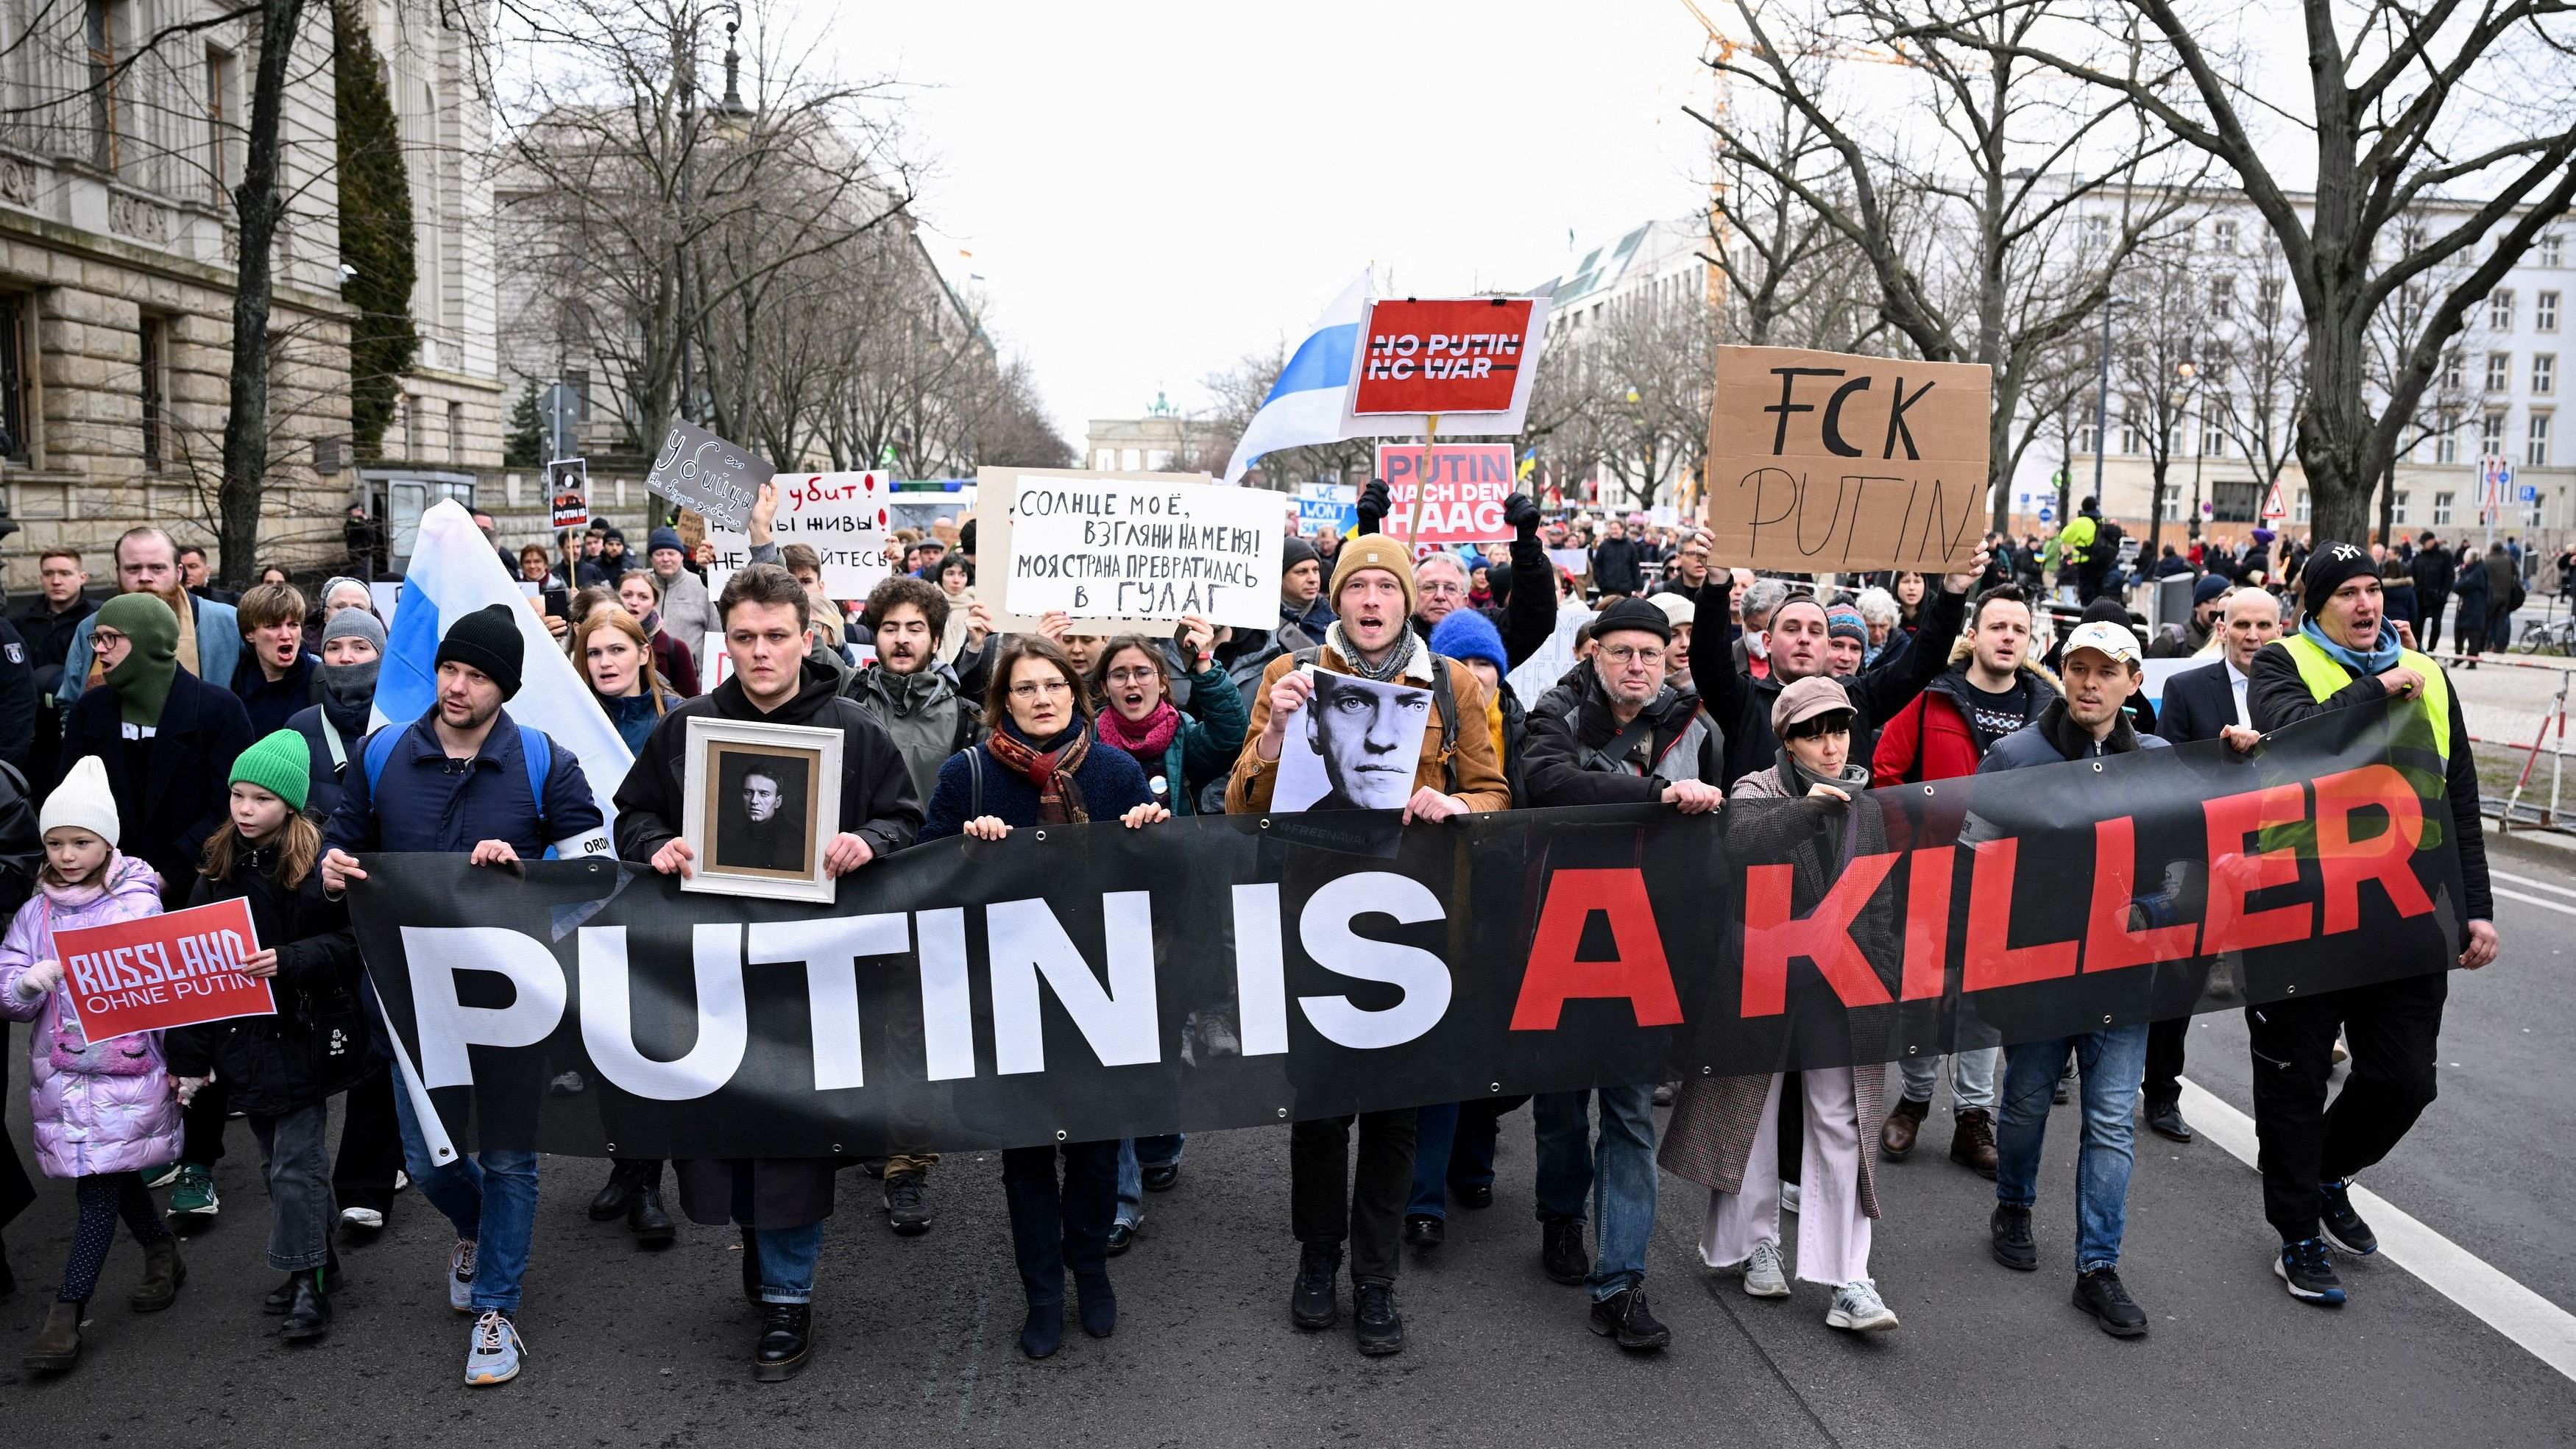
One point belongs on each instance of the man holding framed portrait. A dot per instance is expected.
(772, 785)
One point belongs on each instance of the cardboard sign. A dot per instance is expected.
(841, 516)
(568, 484)
(1461, 491)
(1333, 506)
(1826, 461)
(163, 971)
(1128, 552)
(715, 662)
(1469, 362)
(702, 471)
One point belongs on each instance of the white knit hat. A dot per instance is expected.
(83, 802)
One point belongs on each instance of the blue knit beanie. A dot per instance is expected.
(1467, 634)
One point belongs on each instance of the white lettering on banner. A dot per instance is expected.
(1260, 979)
(947, 995)
(1025, 940)
(1143, 549)
(608, 1021)
(448, 1026)
(1324, 929)
(831, 949)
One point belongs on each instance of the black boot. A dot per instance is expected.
(1561, 1250)
(1315, 1301)
(750, 1266)
(309, 1315)
(651, 1226)
(614, 1195)
(163, 1271)
(57, 1345)
(282, 1297)
(786, 1339)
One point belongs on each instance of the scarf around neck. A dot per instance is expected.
(1146, 738)
(1397, 658)
(2380, 658)
(1050, 769)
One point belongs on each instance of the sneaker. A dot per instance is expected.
(2101, 1294)
(160, 1177)
(402, 1179)
(460, 1277)
(1122, 1236)
(1623, 1316)
(1313, 1302)
(494, 1356)
(363, 1219)
(2344, 1227)
(2303, 1269)
(2013, 1247)
(2342, 1053)
(192, 1193)
(1788, 1197)
(1374, 1321)
(1763, 1277)
(907, 1206)
(1858, 1307)
(1561, 1250)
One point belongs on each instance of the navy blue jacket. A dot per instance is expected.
(186, 792)
(271, 705)
(424, 804)
(1111, 782)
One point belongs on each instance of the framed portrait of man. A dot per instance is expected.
(763, 802)
(1356, 746)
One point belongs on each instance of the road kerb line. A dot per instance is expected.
(2538, 1326)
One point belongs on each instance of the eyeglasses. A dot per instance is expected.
(1132, 676)
(1036, 688)
(105, 638)
(1624, 654)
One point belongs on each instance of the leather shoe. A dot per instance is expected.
(1122, 1236)
(610, 1202)
(786, 1340)
(1472, 1194)
(308, 1316)
(1561, 1251)
(645, 1218)
(1423, 1231)
(2165, 1120)
(1896, 1137)
(1972, 1141)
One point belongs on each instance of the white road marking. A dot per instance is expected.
(2545, 1330)
(2562, 907)
(2532, 881)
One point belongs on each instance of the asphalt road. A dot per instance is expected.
(916, 1336)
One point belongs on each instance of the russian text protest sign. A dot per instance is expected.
(702, 471)
(1831, 462)
(1124, 552)
(841, 516)
(568, 489)
(965, 995)
(163, 971)
(1467, 361)
(1455, 497)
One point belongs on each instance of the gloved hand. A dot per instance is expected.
(189, 1087)
(1375, 503)
(39, 979)
(1520, 514)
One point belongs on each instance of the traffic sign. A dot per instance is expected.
(2272, 509)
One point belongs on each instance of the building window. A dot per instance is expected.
(2222, 299)
(2499, 372)
(2130, 437)
(2500, 310)
(2088, 439)
(2235, 500)
(2535, 447)
(456, 432)
(2170, 506)
(2267, 300)
(2551, 249)
(2446, 448)
(99, 32)
(2213, 439)
(2223, 233)
(2451, 370)
(2097, 230)
(219, 117)
(2397, 509)
(2544, 311)
(156, 393)
(2531, 511)
(2301, 513)
(2491, 436)
(14, 391)
(2441, 510)
(2544, 374)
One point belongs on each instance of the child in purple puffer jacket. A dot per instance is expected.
(103, 1110)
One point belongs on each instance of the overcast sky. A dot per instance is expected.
(1152, 190)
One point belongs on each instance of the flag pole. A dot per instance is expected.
(1413, 515)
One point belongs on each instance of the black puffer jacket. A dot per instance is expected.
(317, 1043)
(1573, 725)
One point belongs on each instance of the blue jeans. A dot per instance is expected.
(1135, 1154)
(787, 1257)
(491, 1198)
(1618, 1174)
(1448, 1145)
(2114, 1062)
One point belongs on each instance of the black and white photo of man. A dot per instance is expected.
(1358, 749)
(762, 819)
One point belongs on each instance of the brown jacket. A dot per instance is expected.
(1480, 774)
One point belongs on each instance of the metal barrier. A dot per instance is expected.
(2555, 714)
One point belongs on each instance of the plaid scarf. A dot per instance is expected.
(1051, 771)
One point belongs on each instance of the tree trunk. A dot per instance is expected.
(257, 207)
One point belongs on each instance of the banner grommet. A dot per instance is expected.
(1059, 1134)
(1496, 1087)
(1041, 835)
(612, 1148)
(2097, 767)
(1927, 789)
(1283, 1114)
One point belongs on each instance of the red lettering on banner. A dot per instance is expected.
(2235, 873)
(2386, 857)
(1927, 922)
(1772, 935)
(1992, 960)
(1639, 972)
(2109, 944)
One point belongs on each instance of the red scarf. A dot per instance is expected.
(1051, 771)
(1147, 738)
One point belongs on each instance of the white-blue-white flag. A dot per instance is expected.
(1305, 404)
(453, 573)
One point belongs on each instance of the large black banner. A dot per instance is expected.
(1077, 983)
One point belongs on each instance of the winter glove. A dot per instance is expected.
(1375, 503)
(40, 979)
(189, 1087)
(1520, 514)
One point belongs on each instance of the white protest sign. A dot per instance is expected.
(841, 516)
(1124, 552)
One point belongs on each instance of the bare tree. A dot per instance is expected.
(2255, 378)
(2155, 367)
(2406, 103)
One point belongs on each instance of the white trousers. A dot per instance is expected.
(1833, 1233)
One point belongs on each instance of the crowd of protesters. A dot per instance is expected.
(172, 746)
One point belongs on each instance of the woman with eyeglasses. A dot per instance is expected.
(1039, 767)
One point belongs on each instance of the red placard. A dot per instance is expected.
(1442, 357)
(1462, 491)
(163, 971)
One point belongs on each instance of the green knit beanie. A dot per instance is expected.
(142, 679)
(279, 764)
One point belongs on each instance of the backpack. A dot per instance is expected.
(1443, 697)
(2106, 545)
(535, 751)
